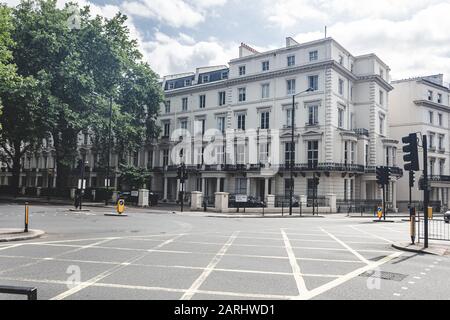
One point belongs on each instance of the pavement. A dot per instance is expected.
(8, 235)
(155, 254)
(438, 249)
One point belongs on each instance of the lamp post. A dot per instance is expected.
(107, 181)
(83, 167)
(109, 149)
(292, 158)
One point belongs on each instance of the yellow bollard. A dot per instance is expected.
(120, 206)
(412, 212)
(27, 214)
(430, 213)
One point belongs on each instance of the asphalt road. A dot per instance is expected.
(159, 255)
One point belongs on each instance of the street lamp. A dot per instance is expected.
(291, 166)
(83, 166)
(107, 181)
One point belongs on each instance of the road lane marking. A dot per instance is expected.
(147, 288)
(337, 282)
(359, 256)
(300, 282)
(12, 246)
(212, 264)
(371, 234)
(105, 274)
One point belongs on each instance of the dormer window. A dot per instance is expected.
(205, 78)
(242, 70)
(171, 85)
(341, 60)
(265, 66)
(224, 75)
(187, 82)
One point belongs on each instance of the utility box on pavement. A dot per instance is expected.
(143, 198)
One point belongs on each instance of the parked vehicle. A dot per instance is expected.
(447, 217)
(252, 202)
(153, 198)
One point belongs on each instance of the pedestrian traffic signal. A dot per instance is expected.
(381, 175)
(411, 157)
(412, 178)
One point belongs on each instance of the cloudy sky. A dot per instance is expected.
(412, 36)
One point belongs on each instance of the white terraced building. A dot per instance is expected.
(341, 127)
(422, 105)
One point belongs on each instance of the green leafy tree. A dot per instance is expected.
(84, 68)
(133, 177)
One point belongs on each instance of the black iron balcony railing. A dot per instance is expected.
(362, 132)
(440, 178)
(337, 167)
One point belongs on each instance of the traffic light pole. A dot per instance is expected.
(384, 201)
(426, 192)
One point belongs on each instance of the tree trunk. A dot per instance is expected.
(16, 168)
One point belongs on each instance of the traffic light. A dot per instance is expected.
(412, 178)
(422, 185)
(387, 175)
(411, 157)
(179, 173)
(381, 175)
(316, 181)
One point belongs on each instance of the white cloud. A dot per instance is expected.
(289, 13)
(415, 45)
(169, 55)
(208, 3)
(176, 13)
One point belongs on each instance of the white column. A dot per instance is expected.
(165, 188)
(362, 191)
(204, 186)
(266, 187)
(394, 196)
(248, 186)
(218, 185)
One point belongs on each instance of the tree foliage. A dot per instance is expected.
(67, 78)
(133, 177)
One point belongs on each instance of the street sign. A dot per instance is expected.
(107, 183)
(134, 193)
(84, 184)
(241, 198)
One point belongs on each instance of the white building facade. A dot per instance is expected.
(422, 105)
(231, 126)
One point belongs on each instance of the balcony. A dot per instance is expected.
(362, 132)
(439, 178)
(396, 171)
(333, 167)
